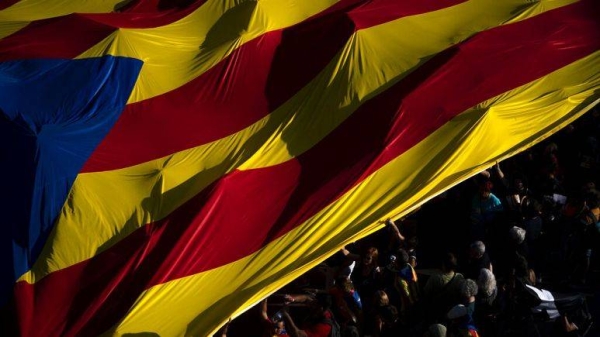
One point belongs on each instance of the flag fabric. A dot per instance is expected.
(168, 164)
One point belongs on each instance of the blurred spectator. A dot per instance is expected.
(348, 304)
(274, 326)
(387, 322)
(468, 291)
(485, 207)
(442, 291)
(488, 290)
(320, 321)
(366, 275)
(461, 324)
(478, 258)
(436, 330)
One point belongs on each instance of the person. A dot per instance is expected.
(436, 330)
(273, 326)
(468, 291)
(367, 274)
(380, 301)
(533, 224)
(517, 193)
(486, 303)
(406, 284)
(478, 258)
(320, 321)
(488, 290)
(348, 304)
(442, 291)
(518, 249)
(387, 322)
(485, 206)
(461, 323)
(588, 227)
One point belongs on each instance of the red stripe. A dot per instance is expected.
(53, 38)
(376, 12)
(57, 38)
(148, 14)
(253, 81)
(229, 221)
(7, 3)
(137, 6)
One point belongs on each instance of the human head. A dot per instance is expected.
(344, 283)
(519, 181)
(468, 288)
(370, 256)
(517, 234)
(389, 314)
(436, 330)
(278, 327)
(457, 312)
(477, 249)
(381, 298)
(486, 281)
(402, 257)
(449, 262)
(485, 188)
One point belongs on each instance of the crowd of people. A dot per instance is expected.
(513, 251)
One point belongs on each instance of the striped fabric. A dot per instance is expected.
(168, 164)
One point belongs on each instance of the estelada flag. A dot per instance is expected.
(168, 164)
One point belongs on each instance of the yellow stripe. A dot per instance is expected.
(112, 204)
(11, 27)
(371, 61)
(177, 53)
(32, 10)
(479, 137)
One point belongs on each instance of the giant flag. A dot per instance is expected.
(168, 164)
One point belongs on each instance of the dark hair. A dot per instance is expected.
(373, 253)
(344, 283)
(402, 256)
(389, 313)
(449, 262)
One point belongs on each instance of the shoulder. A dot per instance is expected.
(436, 278)
(321, 329)
(495, 199)
(459, 277)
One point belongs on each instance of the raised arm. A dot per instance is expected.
(391, 225)
(291, 327)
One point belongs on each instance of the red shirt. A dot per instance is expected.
(320, 329)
